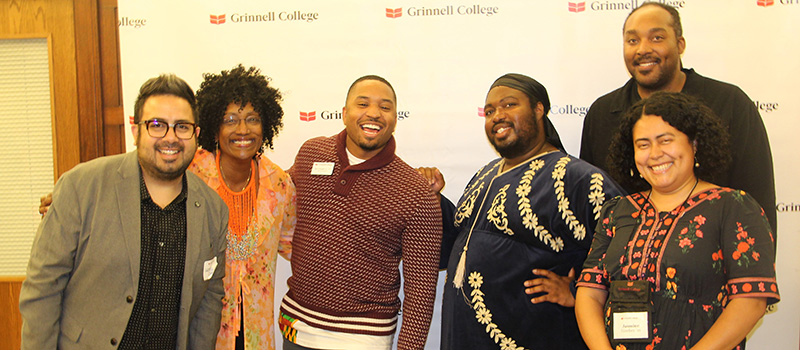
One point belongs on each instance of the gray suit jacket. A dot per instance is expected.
(83, 274)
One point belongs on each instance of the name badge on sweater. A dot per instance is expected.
(322, 168)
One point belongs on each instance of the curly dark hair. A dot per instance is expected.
(689, 116)
(240, 86)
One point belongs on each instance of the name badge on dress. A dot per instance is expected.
(631, 311)
(322, 168)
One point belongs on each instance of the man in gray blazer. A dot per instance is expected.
(131, 254)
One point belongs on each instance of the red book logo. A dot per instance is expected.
(765, 3)
(577, 7)
(394, 13)
(480, 112)
(308, 116)
(219, 19)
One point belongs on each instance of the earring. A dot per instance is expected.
(696, 164)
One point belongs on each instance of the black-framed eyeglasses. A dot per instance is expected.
(159, 128)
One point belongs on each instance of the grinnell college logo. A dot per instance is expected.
(308, 116)
(577, 6)
(765, 3)
(394, 13)
(218, 19)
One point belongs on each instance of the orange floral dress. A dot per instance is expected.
(250, 272)
(715, 247)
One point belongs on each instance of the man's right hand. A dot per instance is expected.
(434, 177)
(45, 202)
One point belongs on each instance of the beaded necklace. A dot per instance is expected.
(242, 232)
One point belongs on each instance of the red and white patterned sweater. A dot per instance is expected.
(353, 229)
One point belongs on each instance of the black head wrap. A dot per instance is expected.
(536, 93)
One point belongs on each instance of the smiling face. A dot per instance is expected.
(652, 51)
(240, 136)
(369, 117)
(165, 158)
(511, 125)
(663, 154)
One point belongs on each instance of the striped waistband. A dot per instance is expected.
(346, 324)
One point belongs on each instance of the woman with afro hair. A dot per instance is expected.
(239, 114)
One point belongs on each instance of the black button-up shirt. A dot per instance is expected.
(154, 321)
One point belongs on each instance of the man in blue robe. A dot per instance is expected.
(521, 229)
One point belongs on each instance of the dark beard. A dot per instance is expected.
(524, 143)
(659, 83)
(512, 150)
(169, 175)
(165, 174)
(368, 147)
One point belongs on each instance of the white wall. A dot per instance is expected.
(442, 66)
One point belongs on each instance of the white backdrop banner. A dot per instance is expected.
(442, 55)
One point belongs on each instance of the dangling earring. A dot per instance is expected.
(696, 164)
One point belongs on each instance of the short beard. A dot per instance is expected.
(368, 147)
(512, 150)
(165, 175)
(523, 144)
(162, 175)
(657, 85)
(660, 83)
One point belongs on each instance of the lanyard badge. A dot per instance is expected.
(631, 311)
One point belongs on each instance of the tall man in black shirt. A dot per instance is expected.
(652, 46)
(132, 251)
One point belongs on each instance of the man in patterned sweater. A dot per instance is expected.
(360, 211)
(520, 231)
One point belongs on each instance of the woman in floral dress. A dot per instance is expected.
(706, 253)
(239, 116)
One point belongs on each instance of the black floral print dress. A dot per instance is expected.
(714, 247)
